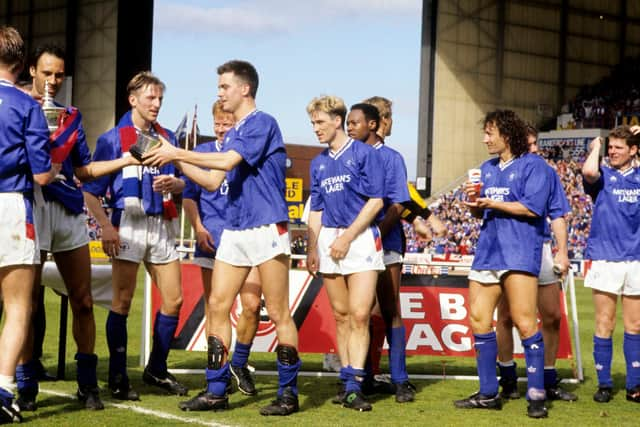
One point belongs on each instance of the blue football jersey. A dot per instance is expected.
(558, 205)
(66, 192)
(396, 191)
(24, 140)
(615, 225)
(257, 184)
(211, 204)
(510, 242)
(342, 182)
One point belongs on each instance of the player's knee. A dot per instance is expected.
(81, 305)
(216, 352)
(527, 327)
(172, 305)
(551, 320)
(287, 355)
(480, 322)
(341, 316)
(251, 306)
(605, 324)
(360, 318)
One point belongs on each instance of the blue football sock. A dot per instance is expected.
(343, 375)
(217, 380)
(6, 396)
(486, 355)
(508, 371)
(288, 376)
(164, 329)
(550, 377)
(534, 359)
(397, 356)
(631, 348)
(602, 355)
(354, 379)
(27, 377)
(117, 342)
(87, 365)
(241, 353)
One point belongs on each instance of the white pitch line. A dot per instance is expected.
(144, 411)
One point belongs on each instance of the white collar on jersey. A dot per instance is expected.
(244, 119)
(218, 145)
(342, 149)
(5, 82)
(503, 165)
(627, 171)
(378, 145)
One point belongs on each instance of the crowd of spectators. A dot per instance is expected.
(606, 103)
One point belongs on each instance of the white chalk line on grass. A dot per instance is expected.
(143, 411)
(334, 374)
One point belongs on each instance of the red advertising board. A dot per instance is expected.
(434, 309)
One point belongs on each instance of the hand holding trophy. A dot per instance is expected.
(144, 144)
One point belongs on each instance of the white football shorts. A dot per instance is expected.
(58, 230)
(17, 231)
(614, 277)
(149, 238)
(365, 252)
(253, 246)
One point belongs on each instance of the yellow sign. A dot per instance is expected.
(294, 190)
(95, 249)
(295, 211)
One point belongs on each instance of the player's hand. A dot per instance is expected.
(595, 144)
(472, 190)
(561, 260)
(438, 227)
(340, 247)
(110, 241)
(422, 229)
(165, 184)
(205, 241)
(160, 155)
(313, 262)
(56, 168)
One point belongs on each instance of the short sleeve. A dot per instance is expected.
(37, 140)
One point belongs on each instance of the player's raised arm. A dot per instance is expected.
(591, 166)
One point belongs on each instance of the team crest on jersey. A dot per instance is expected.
(613, 179)
(487, 175)
(224, 188)
(321, 167)
(512, 176)
(350, 162)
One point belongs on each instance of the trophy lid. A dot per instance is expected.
(51, 110)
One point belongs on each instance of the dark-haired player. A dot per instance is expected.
(255, 233)
(206, 212)
(512, 204)
(614, 248)
(62, 231)
(549, 282)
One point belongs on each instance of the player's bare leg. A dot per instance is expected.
(506, 364)
(16, 283)
(250, 297)
(522, 292)
(483, 298)
(336, 287)
(550, 314)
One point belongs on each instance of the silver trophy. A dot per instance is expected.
(51, 111)
(144, 143)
